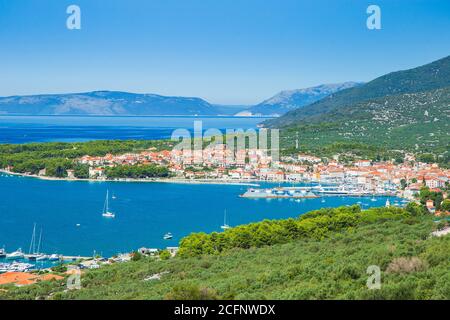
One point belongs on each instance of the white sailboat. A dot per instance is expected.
(32, 253)
(225, 226)
(40, 256)
(54, 257)
(106, 213)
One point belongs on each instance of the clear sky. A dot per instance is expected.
(226, 51)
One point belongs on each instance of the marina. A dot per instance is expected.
(315, 192)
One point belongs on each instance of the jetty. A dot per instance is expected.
(314, 192)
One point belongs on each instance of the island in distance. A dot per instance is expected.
(116, 103)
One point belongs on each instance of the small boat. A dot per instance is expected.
(106, 213)
(42, 257)
(32, 257)
(113, 197)
(2, 253)
(53, 257)
(20, 267)
(225, 226)
(168, 236)
(36, 255)
(16, 255)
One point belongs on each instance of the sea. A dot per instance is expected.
(26, 129)
(69, 213)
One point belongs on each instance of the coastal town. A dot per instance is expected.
(405, 179)
(324, 176)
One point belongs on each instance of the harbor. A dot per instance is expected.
(35, 259)
(315, 192)
(70, 214)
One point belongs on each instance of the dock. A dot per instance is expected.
(74, 258)
(312, 192)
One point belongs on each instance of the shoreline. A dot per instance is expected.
(253, 183)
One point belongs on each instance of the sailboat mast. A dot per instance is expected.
(39, 243)
(107, 200)
(33, 241)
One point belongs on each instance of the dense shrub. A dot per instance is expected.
(316, 224)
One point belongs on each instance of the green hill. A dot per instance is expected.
(315, 265)
(425, 78)
(414, 122)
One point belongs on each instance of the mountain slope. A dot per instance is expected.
(105, 103)
(417, 122)
(431, 76)
(288, 100)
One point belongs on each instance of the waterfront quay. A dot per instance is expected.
(314, 192)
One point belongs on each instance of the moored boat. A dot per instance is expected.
(53, 257)
(168, 236)
(106, 213)
(16, 255)
(225, 226)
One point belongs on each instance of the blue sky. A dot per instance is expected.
(226, 51)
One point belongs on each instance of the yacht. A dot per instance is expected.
(4, 267)
(225, 226)
(20, 267)
(53, 257)
(16, 255)
(42, 257)
(106, 213)
(168, 236)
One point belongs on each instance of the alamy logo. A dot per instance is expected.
(236, 147)
(374, 280)
(374, 20)
(74, 281)
(73, 22)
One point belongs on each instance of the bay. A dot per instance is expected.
(144, 213)
(25, 129)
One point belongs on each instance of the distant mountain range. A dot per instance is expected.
(428, 77)
(105, 103)
(125, 103)
(293, 99)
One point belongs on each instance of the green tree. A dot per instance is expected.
(446, 205)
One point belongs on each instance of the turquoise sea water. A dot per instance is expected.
(23, 129)
(144, 213)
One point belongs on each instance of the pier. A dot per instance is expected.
(313, 192)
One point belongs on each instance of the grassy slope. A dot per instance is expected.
(412, 122)
(334, 268)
